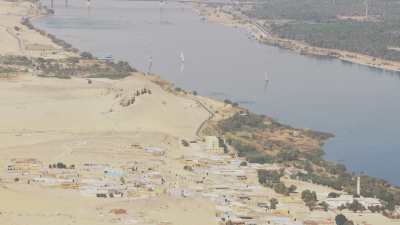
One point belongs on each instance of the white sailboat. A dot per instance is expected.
(162, 3)
(267, 80)
(182, 57)
(150, 65)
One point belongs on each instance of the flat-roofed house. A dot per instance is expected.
(212, 144)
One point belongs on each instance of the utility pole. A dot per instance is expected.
(384, 11)
(366, 8)
(88, 6)
(150, 65)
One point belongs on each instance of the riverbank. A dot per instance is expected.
(261, 32)
(133, 154)
(17, 39)
(258, 32)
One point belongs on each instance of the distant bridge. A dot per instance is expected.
(217, 2)
(224, 2)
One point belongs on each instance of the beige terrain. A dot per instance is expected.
(73, 152)
(17, 39)
(55, 120)
(40, 105)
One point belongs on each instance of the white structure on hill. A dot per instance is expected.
(212, 144)
(334, 203)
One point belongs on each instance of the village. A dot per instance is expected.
(199, 169)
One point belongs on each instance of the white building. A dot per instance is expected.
(212, 144)
(155, 151)
(334, 203)
(368, 202)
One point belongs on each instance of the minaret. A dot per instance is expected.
(358, 186)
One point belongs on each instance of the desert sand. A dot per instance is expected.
(54, 120)
(17, 39)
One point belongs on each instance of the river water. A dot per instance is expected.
(358, 104)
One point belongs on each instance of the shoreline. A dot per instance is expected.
(264, 36)
(234, 23)
(19, 36)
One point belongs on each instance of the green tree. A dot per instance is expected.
(273, 203)
(269, 177)
(324, 205)
(292, 188)
(340, 219)
(355, 206)
(86, 55)
(309, 198)
(333, 195)
(280, 188)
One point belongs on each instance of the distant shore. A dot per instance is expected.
(264, 35)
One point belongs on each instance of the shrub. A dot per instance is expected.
(185, 143)
(340, 219)
(355, 206)
(269, 177)
(188, 168)
(273, 203)
(280, 188)
(227, 101)
(292, 188)
(86, 55)
(333, 195)
(309, 198)
(324, 205)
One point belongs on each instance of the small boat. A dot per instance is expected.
(150, 65)
(266, 78)
(107, 58)
(182, 57)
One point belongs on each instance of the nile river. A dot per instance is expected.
(359, 105)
